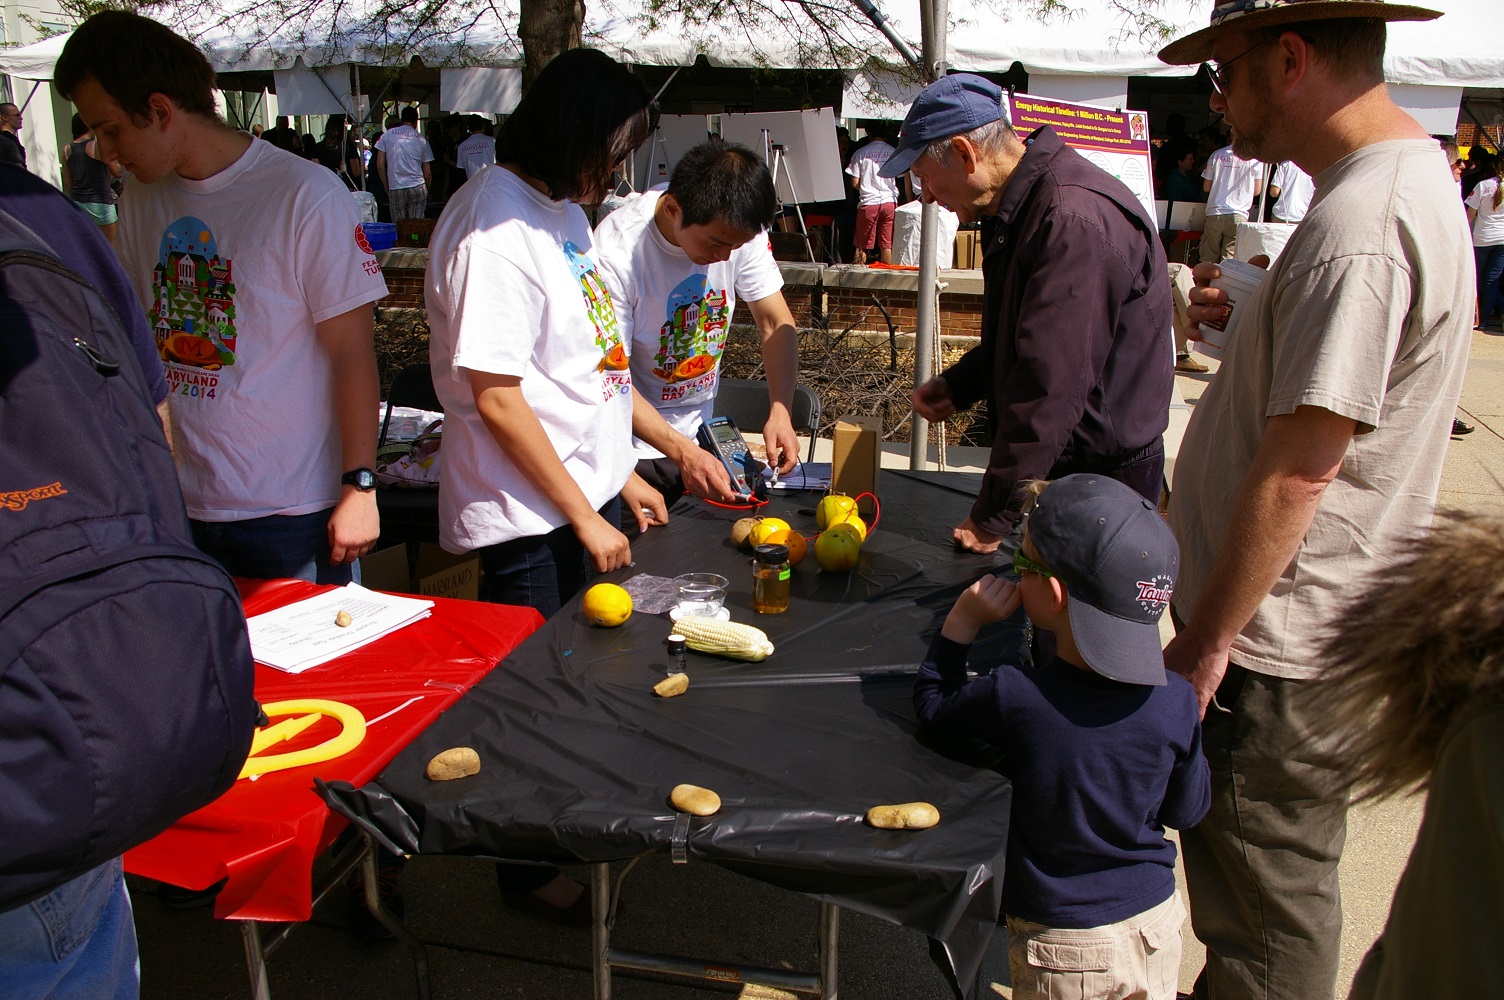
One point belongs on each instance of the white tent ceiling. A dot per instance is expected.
(1461, 49)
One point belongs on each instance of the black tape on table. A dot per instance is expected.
(578, 756)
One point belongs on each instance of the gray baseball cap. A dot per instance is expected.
(1118, 561)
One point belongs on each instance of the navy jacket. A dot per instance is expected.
(1076, 360)
(1099, 769)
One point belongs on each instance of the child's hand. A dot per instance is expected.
(990, 599)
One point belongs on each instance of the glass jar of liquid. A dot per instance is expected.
(770, 579)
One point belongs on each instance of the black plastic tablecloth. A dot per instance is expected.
(578, 755)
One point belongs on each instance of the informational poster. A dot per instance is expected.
(1116, 141)
(655, 159)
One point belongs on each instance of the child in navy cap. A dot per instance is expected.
(1102, 746)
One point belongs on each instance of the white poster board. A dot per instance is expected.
(482, 90)
(811, 167)
(655, 159)
(322, 91)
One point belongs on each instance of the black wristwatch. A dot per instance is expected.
(362, 479)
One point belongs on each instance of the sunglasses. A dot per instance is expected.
(1023, 564)
(1216, 72)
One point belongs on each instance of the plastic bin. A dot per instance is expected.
(380, 235)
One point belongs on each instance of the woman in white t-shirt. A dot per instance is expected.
(1485, 210)
(529, 362)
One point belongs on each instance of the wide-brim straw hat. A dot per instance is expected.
(1231, 16)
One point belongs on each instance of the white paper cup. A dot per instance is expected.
(1239, 280)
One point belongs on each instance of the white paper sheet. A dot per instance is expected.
(306, 634)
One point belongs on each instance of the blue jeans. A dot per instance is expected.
(1490, 267)
(539, 571)
(78, 942)
(292, 546)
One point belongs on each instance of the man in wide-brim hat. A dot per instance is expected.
(1312, 454)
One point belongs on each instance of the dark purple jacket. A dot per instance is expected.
(1076, 359)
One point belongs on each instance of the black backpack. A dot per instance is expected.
(125, 673)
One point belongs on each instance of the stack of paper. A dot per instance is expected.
(307, 633)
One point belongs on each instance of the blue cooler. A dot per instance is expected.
(380, 235)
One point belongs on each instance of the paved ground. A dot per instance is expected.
(479, 949)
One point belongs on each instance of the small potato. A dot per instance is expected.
(343, 619)
(905, 816)
(672, 686)
(741, 532)
(456, 762)
(695, 800)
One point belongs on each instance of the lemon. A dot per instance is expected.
(607, 605)
(767, 528)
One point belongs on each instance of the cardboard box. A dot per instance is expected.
(968, 249)
(856, 456)
(438, 573)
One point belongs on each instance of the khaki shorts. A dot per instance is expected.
(1134, 958)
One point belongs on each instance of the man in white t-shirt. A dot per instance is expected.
(877, 200)
(1231, 184)
(1311, 461)
(676, 260)
(248, 261)
(478, 151)
(1292, 189)
(402, 160)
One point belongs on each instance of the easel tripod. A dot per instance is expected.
(774, 156)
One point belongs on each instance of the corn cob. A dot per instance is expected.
(733, 639)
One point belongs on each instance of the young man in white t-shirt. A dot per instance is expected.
(1231, 183)
(877, 201)
(478, 151)
(248, 261)
(402, 161)
(676, 260)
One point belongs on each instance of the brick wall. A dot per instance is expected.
(814, 307)
(960, 315)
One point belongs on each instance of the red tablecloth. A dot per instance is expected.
(264, 834)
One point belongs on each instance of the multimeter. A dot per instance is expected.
(720, 437)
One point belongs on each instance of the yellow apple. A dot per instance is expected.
(832, 504)
(838, 548)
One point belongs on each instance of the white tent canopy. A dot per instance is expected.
(1460, 50)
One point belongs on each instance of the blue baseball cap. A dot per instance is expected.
(1118, 561)
(950, 106)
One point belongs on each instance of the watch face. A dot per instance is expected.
(361, 479)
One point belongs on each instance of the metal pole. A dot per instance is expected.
(830, 932)
(600, 934)
(934, 18)
(255, 960)
(876, 17)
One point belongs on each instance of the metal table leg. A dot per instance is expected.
(604, 957)
(255, 959)
(600, 931)
(830, 932)
(360, 854)
(391, 923)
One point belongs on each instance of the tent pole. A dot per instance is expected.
(934, 20)
(360, 127)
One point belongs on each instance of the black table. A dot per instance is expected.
(578, 755)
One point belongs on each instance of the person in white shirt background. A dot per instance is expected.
(478, 151)
(402, 159)
(1231, 183)
(1292, 188)
(1485, 212)
(877, 200)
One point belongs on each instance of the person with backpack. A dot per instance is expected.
(112, 729)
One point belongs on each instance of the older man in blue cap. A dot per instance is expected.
(1076, 356)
